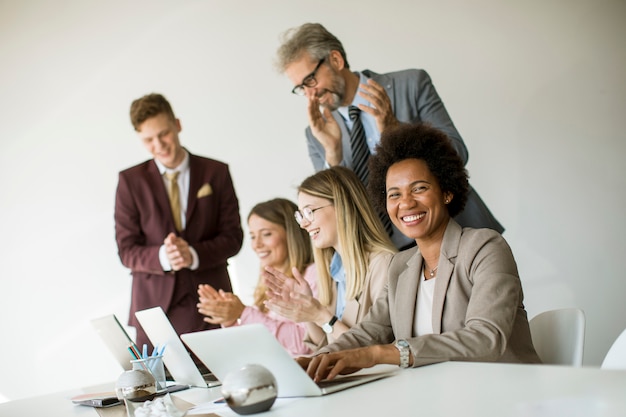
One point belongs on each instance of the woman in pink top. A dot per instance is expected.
(280, 243)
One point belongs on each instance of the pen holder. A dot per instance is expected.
(154, 365)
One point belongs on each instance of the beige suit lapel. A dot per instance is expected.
(406, 294)
(449, 250)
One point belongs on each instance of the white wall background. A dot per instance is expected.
(536, 88)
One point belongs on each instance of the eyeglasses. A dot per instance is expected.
(307, 213)
(308, 81)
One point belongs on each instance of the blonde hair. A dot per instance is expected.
(280, 211)
(359, 229)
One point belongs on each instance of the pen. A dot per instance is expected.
(135, 354)
(134, 351)
(145, 351)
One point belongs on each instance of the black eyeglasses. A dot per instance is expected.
(308, 81)
(307, 213)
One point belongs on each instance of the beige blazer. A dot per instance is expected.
(357, 308)
(478, 310)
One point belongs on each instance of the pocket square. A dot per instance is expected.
(205, 190)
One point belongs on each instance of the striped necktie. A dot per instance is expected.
(358, 143)
(361, 156)
(174, 194)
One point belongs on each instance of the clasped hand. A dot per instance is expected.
(178, 252)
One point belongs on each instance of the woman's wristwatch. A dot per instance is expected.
(403, 346)
(328, 327)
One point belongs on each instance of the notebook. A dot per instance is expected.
(115, 338)
(175, 357)
(229, 349)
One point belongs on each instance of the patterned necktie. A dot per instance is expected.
(174, 195)
(358, 143)
(361, 155)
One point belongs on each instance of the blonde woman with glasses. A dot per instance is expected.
(351, 251)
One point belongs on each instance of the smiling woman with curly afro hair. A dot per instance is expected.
(457, 295)
(423, 142)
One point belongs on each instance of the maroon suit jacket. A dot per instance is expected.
(143, 218)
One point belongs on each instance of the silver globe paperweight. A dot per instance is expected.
(249, 390)
(135, 385)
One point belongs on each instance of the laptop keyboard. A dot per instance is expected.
(341, 380)
(210, 377)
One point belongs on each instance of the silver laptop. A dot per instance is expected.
(115, 338)
(176, 358)
(229, 349)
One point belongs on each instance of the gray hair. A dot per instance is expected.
(310, 37)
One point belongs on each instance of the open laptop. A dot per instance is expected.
(176, 358)
(229, 349)
(115, 338)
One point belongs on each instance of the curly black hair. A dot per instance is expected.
(419, 141)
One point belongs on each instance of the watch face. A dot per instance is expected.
(402, 343)
(328, 327)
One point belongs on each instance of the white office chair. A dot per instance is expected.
(616, 356)
(559, 336)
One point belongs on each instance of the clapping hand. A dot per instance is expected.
(381, 110)
(326, 130)
(291, 297)
(219, 307)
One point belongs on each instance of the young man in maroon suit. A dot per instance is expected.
(174, 239)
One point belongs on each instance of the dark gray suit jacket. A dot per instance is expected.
(413, 99)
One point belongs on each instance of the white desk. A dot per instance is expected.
(448, 389)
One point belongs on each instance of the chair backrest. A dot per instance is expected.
(616, 356)
(559, 336)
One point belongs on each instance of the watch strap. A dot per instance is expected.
(404, 349)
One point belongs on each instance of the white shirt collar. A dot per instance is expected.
(183, 167)
(356, 100)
